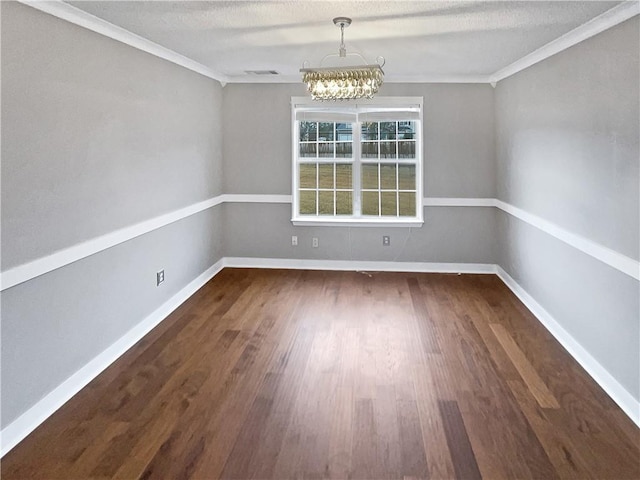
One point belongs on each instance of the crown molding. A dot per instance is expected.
(435, 78)
(264, 78)
(74, 15)
(431, 78)
(606, 20)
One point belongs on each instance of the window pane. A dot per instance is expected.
(369, 150)
(370, 203)
(387, 130)
(343, 176)
(307, 202)
(344, 132)
(344, 149)
(389, 203)
(325, 176)
(388, 176)
(407, 177)
(325, 150)
(370, 176)
(388, 150)
(406, 130)
(308, 175)
(326, 131)
(386, 156)
(325, 203)
(407, 204)
(407, 149)
(344, 203)
(308, 131)
(369, 130)
(308, 150)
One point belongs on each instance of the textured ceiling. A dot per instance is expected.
(417, 38)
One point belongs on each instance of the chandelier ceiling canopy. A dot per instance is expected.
(343, 82)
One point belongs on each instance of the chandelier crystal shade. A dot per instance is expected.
(343, 82)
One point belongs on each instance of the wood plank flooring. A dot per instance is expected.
(309, 374)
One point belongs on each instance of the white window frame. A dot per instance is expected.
(302, 103)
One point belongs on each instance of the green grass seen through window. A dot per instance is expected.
(383, 199)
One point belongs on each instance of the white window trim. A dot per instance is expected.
(362, 221)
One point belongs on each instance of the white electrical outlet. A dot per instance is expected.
(294, 240)
(159, 277)
(314, 242)
(386, 240)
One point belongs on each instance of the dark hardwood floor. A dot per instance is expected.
(308, 374)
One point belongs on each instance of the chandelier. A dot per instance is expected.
(346, 82)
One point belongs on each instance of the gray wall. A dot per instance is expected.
(96, 136)
(567, 151)
(449, 234)
(459, 161)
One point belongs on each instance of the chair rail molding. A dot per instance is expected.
(40, 266)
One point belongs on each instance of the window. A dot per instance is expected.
(357, 163)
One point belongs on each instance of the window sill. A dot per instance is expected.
(355, 222)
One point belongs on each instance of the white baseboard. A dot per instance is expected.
(602, 377)
(358, 265)
(13, 433)
(17, 430)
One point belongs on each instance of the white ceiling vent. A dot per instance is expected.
(261, 72)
